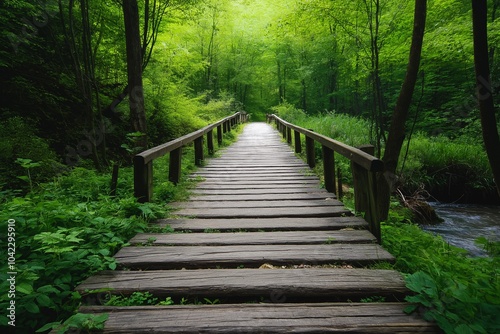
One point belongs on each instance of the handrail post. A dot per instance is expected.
(288, 135)
(365, 193)
(372, 214)
(329, 168)
(198, 151)
(298, 143)
(210, 142)
(310, 154)
(174, 169)
(143, 179)
(219, 135)
(340, 191)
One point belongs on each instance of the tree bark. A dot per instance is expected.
(397, 129)
(134, 69)
(484, 91)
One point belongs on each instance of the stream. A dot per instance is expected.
(463, 223)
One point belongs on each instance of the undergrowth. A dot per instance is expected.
(66, 230)
(460, 293)
(435, 162)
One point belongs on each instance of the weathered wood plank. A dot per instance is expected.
(263, 197)
(153, 257)
(276, 224)
(271, 185)
(267, 318)
(262, 177)
(301, 190)
(337, 284)
(255, 204)
(275, 212)
(299, 167)
(253, 169)
(254, 238)
(275, 183)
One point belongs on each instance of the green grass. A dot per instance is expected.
(432, 161)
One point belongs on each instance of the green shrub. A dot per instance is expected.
(66, 230)
(435, 162)
(460, 293)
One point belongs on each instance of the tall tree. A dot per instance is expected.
(484, 91)
(400, 115)
(134, 69)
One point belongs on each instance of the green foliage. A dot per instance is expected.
(460, 293)
(78, 321)
(67, 230)
(135, 299)
(23, 155)
(374, 299)
(437, 162)
(490, 246)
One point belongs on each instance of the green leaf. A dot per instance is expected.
(422, 283)
(46, 327)
(410, 309)
(463, 329)
(25, 288)
(31, 307)
(104, 252)
(44, 301)
(46, 289)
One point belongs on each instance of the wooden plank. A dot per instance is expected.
(262, 197)
(153, 257)
(255, 204)
(246, 170)
(275, 212)
(276, 224)
(249, 164)
(254, 238)
(271, 185)
(264, 318)
(259, 177)
(221, 172)
(333, 284)
(301, 190)
(276, 183)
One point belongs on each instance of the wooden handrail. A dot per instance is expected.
(364, 167)
(143, 162)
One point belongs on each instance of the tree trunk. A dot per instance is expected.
(397, 129)
(134, 69)
(484, 90)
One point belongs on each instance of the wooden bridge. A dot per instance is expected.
(260, 237)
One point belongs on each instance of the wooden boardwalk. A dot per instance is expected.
(279, 253)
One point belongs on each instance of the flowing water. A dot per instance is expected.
(465, 223)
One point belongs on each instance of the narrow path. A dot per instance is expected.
(278, 252)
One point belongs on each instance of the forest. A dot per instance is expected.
(65, 88)
(71, 110)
